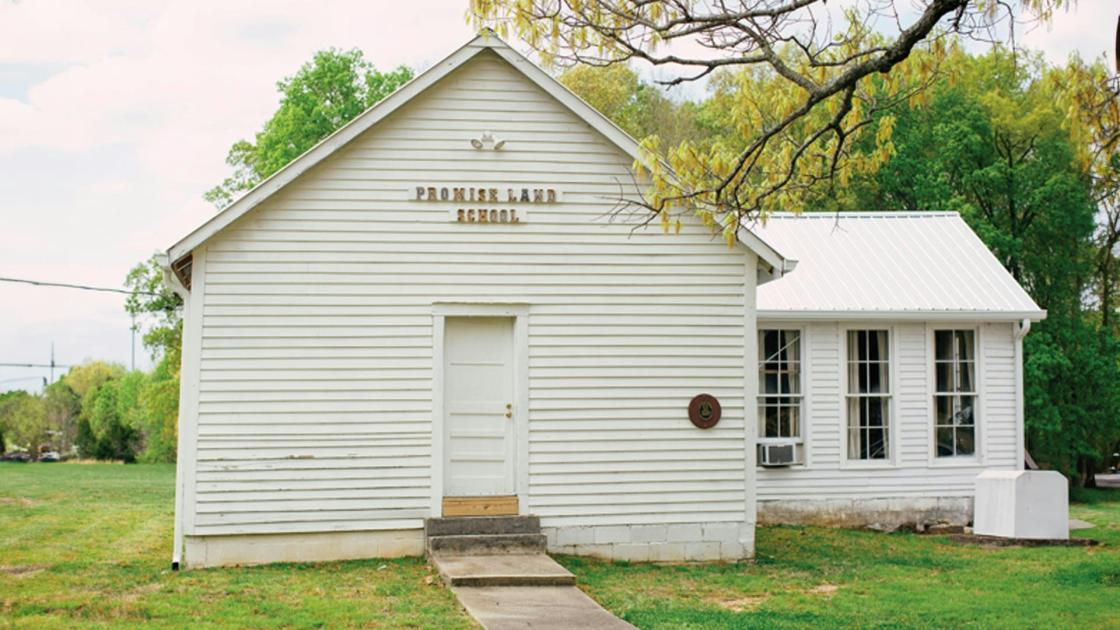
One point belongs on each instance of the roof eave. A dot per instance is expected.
(902, 315)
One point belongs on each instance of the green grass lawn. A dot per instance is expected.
(90, 546)
(807, 577)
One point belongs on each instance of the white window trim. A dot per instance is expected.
(803, 440)
(978, 458)
(891, 461)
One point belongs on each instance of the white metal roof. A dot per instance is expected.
(927, 265)
(488, 40)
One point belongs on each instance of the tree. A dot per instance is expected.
(1090, 94)
(994, 144)
(24, 421)
(639, 108)
(63, 408)
(323, 95)
(153, 302)
(808, 91)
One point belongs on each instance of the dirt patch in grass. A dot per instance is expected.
(23, 570)
(21, 501)
(827, 590)
(741, 604)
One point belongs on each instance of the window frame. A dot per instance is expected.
(891, 460)
(977, 457)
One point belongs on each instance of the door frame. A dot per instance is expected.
(520, 314)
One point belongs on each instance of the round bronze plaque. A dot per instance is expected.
(704, 411)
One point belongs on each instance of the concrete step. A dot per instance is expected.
(505, 570)
(487, 544)
(467, 525)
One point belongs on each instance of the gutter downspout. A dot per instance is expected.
(171, 281)
(1020, 331)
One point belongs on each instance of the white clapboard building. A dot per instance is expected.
(438, 312)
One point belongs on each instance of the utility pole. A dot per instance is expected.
(133, 328)
(52, 361)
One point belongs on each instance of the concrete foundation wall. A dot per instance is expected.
(690, 542)
(876, 513)
(234, 550)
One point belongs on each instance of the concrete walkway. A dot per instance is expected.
(537, 607)
(521, 591)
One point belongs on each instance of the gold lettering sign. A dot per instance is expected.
(487, 215)
(486, 194)
(479, 194)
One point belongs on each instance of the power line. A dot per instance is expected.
(64, 285)
(35, 365)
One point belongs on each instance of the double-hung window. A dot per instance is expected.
(779, 384)
(954, 398)
(868, 395)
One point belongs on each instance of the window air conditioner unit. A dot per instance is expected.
(785, 454)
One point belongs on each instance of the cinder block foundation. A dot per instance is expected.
(249, 549)
(876, 513)
(683, 542)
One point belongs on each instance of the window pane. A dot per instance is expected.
(964, 406)
(943, 345)
(965, 440)
(964, 377)
(943, 410)
(945, 441)
(770, 343)
(770, 383)
(877, 381)
(965, 349)
(770, 421)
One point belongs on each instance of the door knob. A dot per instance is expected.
(509, 410)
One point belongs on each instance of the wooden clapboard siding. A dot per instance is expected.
(315, 389)
(914, 472)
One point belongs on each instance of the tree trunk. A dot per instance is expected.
(1088, 473)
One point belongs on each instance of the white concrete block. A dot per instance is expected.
(549, 536)
(569, 536)
(631, 552)
(649, 533)
(1022, 504)
(701, 551)
(732, 551)
(611, 534)
(667, 552)
(686, 533)
(720, 532)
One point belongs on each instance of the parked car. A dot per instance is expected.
(50, 456)
(15, 456)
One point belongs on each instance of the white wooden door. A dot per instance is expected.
(478, 406)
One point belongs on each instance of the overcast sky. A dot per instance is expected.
(116, 116)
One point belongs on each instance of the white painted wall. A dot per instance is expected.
(914, 472)
(315, 359)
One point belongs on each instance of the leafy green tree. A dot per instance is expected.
(24, 421)
(992, 143)
(63, 409)
(160, 307)
(640, 109)
(323, 95)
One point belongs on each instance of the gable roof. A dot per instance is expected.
(488, 40)
(926, 265)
